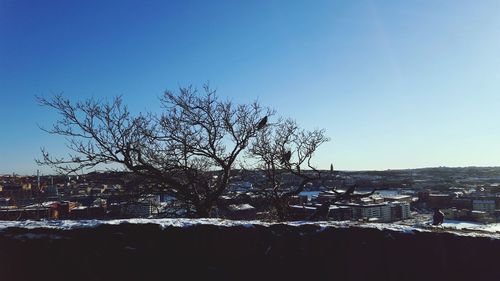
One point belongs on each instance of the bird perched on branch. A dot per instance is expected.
(285, 158)
(262, 123)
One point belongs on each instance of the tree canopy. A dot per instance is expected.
(188, 150)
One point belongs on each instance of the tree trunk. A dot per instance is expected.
(281, 207)
(203, 210)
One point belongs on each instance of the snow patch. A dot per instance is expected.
(464, 225)
(455, 227)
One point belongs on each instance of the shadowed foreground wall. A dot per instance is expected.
(210, 252)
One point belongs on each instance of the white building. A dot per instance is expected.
(400, 211)
(484, 205)
(383, 212)
(379, 212)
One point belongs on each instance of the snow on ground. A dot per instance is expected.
(184, 222)
(455, 227)
(464, 225)
(75, 224)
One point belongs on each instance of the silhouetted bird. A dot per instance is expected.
(438, 217)
(262, 123)
(285, 158)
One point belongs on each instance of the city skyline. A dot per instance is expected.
(395, 85)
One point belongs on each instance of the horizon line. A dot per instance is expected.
(347, 170)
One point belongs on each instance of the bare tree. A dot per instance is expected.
(285, 151)
(188, 151)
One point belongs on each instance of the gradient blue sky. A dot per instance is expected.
(397, 84)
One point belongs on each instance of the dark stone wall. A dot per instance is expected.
(210, 252)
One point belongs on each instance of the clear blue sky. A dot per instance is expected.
(397, 84)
